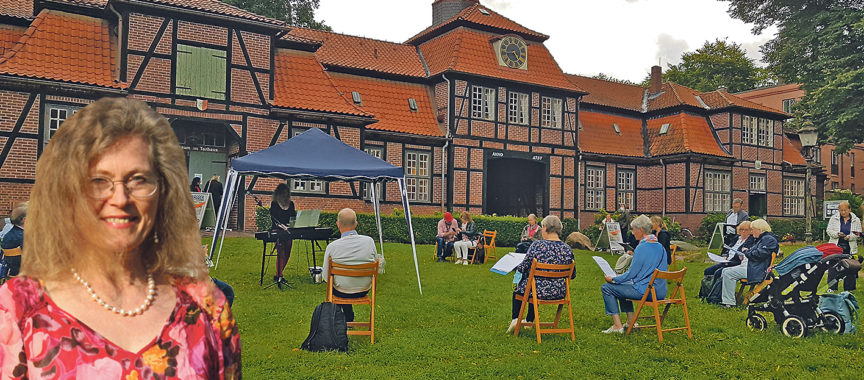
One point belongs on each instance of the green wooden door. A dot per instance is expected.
(206, 165)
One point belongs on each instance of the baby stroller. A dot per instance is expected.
(791, 295)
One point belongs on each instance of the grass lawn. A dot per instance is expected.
(457, 329)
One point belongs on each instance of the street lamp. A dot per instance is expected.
(807, 134)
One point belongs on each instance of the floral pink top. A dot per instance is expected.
(39, 340)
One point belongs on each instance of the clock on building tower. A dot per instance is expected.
(512, 52)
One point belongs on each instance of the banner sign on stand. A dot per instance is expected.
(204, 211)
(610, 238)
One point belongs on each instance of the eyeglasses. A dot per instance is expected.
(137, 186)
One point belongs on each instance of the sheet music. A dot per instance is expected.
(716, 258)
(507, 263)
(604, 266)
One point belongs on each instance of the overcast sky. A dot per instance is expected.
(621, 38)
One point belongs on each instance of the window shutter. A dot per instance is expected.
(183, 80)
(217, 64)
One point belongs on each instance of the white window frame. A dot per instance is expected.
(482, 103)
(852, 164)
(626, 188)
(718, 191)
(518, 108)
(550, 112)
(787, 105)
(793, 196)
(758, 184)
(749, 130)
(306, 186)
(377, 152)
(55, 115)
(766, 132)
(595, 187)
(418, 175)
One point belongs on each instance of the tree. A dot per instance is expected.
(820, 45)
(609, 78)
(294, 12)
(716, 64)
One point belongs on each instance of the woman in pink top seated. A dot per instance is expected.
(113, 284)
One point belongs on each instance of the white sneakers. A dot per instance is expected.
(465, 262)
(512, 325)
(613, 330)
(458, 261)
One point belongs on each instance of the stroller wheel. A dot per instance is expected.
(794, 327)
(757, 322)
(831, 322)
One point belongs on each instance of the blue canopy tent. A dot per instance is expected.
(314, 155)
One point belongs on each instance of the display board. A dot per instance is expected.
(204, 210)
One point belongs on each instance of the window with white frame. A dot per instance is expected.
(626, 188)
(757, 183)
(306, 185)
(757, 131)
(376, 152)
(817, 154)
(55, 115)
(852, 164)
(517, 108)
(749, 125)
(787, 105)
(834, 161)
(417, 175)
(595, 194)
(717, 191)
(482, 103)
(793, 196)
(550, 112)
(766, 132)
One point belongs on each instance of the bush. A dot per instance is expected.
(855, 200)
(394, 228)
(708, 224)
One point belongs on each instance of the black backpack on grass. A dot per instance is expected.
(328, 331)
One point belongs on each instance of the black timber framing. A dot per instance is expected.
(150, 51)
(250, 67)
(17, 128)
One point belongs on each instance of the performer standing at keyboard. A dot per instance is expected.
(281, 212)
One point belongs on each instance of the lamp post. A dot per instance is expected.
(807, 134)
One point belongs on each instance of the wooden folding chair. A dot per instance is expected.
(452, 256)
(489, 248)
(755, 287)
(678, 278)
(361, 270)
(530, 295)
(674, 264)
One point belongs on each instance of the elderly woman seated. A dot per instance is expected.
(619, 291)
(735, 253)
(758, 260)
(550, 250)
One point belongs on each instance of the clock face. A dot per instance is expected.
(513, 51)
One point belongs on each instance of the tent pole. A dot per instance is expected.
(220, 217)
(376, 205)
(410, 229)
(229, 204)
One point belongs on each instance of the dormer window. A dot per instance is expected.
(412, 104)
(356, 97)
(483, 11)
(664, 129)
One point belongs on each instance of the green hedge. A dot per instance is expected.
(779, 226)
(394, 228)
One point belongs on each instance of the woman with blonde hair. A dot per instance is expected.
(663, 236)
(118, 269)
(758, 260)
(281, 212)
(469, 239)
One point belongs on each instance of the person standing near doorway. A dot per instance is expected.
(195, 187)
(733, 218)
(215, 188)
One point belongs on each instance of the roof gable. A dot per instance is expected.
(340, 50)
(720, 99)
(597, 135)
(686, 133)
(609, 93)
(301, 83)
(64, 47)
(478, 16)
(469, 51)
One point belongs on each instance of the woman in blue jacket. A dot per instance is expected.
(618, 291)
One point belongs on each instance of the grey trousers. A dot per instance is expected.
(730, 277)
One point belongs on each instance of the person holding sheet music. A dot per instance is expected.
(467, 239)
(281, 212)
(619, 291)
(735, 254)
(758, 261)
(550, 250)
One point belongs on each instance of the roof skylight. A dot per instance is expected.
(664, 129)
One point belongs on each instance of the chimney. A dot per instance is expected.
(443, 10)
(656, 83)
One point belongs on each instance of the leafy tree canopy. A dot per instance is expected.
(714, 65)
(820, 45)
(607, 77)
(294, 12)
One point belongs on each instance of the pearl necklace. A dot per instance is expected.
(151, 295)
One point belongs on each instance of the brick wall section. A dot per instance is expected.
(155, 74)
(209, 34)
(11, 104)
(142, 30)
(242, 88)
(258, 47)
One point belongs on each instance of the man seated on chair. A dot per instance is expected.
(350, 249)
(619, 291)
(758, 261)
(448, 228)
(550, 250)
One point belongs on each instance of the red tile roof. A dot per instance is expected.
(301, 83)
(721, 99)
(387, 100)
(64, 47)
(469, 51)
(598, 135)
(213, 6)
(17, 8)
(792, 151)
(686, 133)
(9, 36)
(346, 51)
(672, 95)
(608, 93)
(480, 16)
